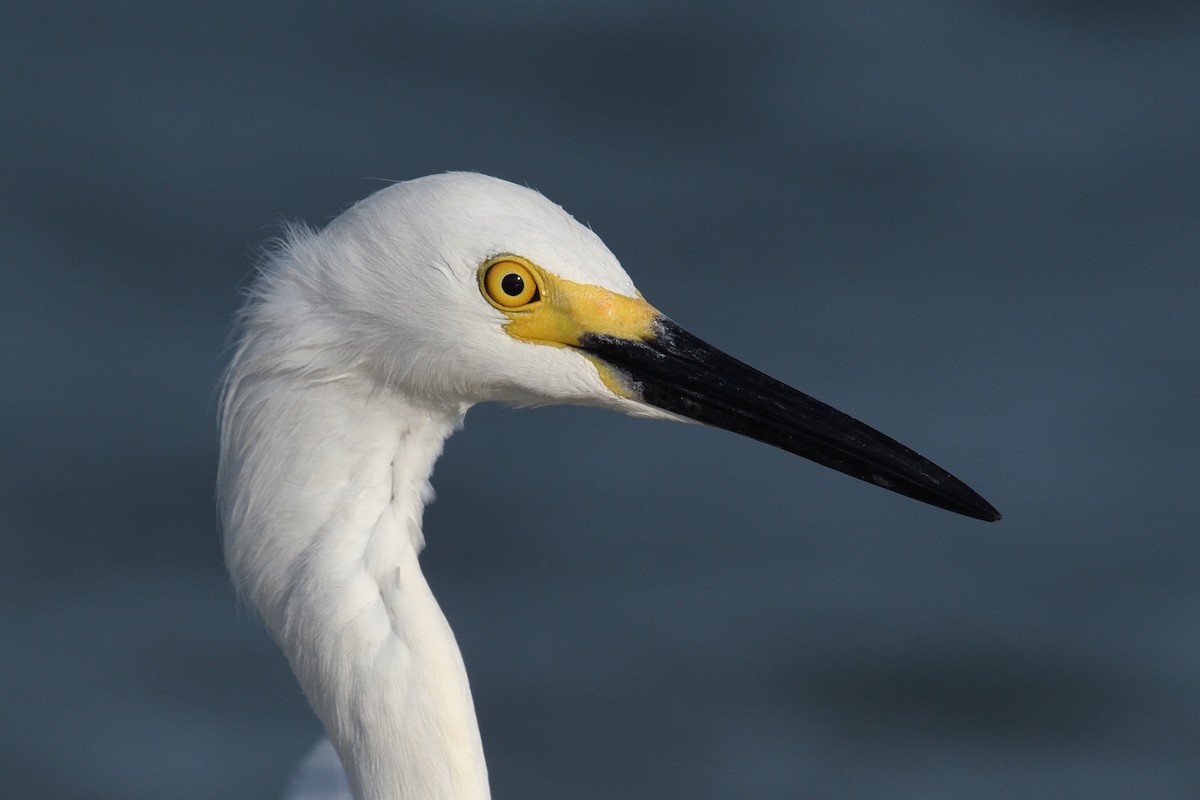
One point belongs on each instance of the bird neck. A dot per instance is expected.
(323, 530)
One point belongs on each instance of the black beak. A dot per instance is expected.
(677, 372)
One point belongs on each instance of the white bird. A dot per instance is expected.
(361, 348)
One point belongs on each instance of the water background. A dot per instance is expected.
(975, 226)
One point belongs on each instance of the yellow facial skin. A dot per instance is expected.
(559, 312)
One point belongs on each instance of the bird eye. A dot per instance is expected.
(510, 284)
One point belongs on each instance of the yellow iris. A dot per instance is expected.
(510, 285)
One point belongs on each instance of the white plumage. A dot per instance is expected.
(362, 347)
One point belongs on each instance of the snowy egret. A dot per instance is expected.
(361, 348)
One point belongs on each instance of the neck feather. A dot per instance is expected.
(322, 489)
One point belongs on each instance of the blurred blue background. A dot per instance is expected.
(974, 226)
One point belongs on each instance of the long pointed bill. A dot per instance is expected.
(643, 356)
(677, 372)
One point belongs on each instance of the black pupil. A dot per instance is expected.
(512, 284)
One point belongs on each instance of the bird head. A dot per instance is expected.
(460, 288)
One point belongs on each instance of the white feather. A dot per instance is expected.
(361, 348)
